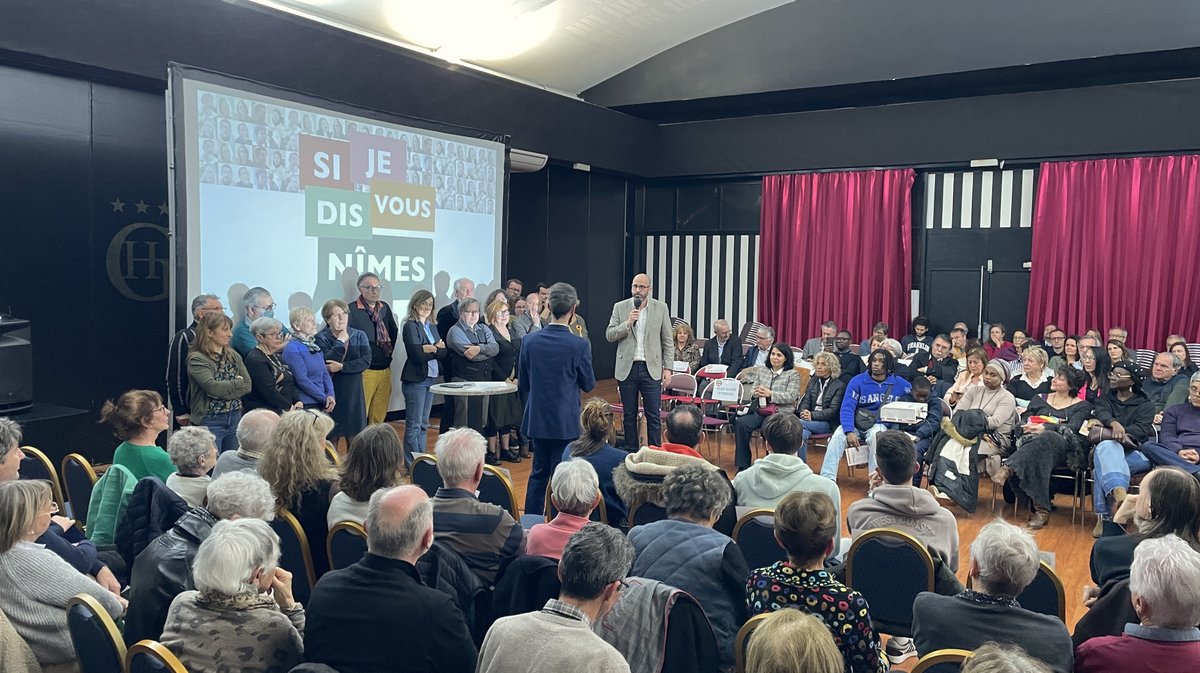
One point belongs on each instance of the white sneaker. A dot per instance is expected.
(898, 650)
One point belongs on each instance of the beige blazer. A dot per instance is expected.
(660, 346)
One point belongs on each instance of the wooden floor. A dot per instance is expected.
(1071, 544)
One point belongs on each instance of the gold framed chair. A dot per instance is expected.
(742, 642)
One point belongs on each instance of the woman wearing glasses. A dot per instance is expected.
(347, 353)
(504, 411)
(137, 418)
(218, 380)
(273, 385)
(471, 347)
(1126, 416)
(426, 356)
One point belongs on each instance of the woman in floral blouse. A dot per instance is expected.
(806, 523)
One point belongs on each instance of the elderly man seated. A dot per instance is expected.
(685, 552)
(1166, 385)
(1004, 560)
(252, 433)
(164, 568)
(1179, 436)
(1164, 582)
(575, 492)
(482, 533)
(559, 638)
(194, 452)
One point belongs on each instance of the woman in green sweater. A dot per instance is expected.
(137, 418)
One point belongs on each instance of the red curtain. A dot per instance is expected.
(1115, 242)
(836, 246)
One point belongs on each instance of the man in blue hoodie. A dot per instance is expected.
(866, 392)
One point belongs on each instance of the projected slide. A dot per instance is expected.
(300, 198)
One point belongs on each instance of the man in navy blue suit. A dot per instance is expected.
(555, 365)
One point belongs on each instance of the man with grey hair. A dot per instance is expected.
(574, 492)
(559, 637)
(720, 350)
(365, 618)
(1178, 442)
(447, 317)
(1004, 560)
(1166, 385)
(193, 451)
(485, 535)
(256, 303)
(253, 431)
(757, 355)
(1164, 585)
(684, 551)
(164, 568)
(821, 343)
(371, 314)
(177, 377)
(554, 367)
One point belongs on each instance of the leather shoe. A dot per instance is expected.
(1041, 517)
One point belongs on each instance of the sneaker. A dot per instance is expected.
(899, 650)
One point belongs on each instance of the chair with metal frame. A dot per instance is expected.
(424, 474)
(645, 512)
(741, 644)
(942, 661)
(97, 641)
(79, 478)
(38, 466)
(754, 534)
(331, 454)
(715, 419)
(496, 488)
(295, 553)
(1045, 594)
(346, 544)
(889, 568)
(151, 656)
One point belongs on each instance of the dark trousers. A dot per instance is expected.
(1161, 455)
(743, 428)
(547, 454)
(640, 381)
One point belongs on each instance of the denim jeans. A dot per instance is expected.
(224, 429)
(1113, 467)
(812, 428)
(417, 403)
(836, 448)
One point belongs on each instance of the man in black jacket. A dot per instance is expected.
(937, 365)
(163, 570)
(362, 619)
(852, 364)
(373, 316)
(722, 350)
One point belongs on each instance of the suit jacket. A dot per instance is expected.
(553, 367)
(416, 367)
(751, 356)
(660, 352)
(730, 357)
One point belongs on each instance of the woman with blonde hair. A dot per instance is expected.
(303, 355)
(302, 479)
(137, 418)
(218, 380)
(1034, 379)
(35, 583)
(791, 641)
(595, 446)
(822, 402)
(504, 411)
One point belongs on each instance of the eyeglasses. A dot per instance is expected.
(273, 335)
(270, 307)
(370, 288)
(1116, 375)
(476, 312)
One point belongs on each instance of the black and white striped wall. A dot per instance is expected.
(1000, 199)
(703, 277)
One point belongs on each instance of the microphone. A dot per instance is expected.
(637, 301)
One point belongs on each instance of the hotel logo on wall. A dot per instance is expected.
(137, 257)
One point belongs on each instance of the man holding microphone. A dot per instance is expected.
(641, 328)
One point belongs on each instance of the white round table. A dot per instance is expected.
(484, 389)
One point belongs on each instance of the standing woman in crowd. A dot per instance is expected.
(491, 299)
(471, 347)
(301, 478)
(347, 353)
(686, 349)
(1096, 366)
(594, 445)
(218, 380)
(35, 583)
(303, 355)
(273, 384)
(426, 354)
(504, 411)
(137, 418)
(773, 387)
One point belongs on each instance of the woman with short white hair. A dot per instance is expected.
(241, 616)
(193, 450)
(303, 356)
(273, 384)
(575, 492)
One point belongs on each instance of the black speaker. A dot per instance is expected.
(16, 365)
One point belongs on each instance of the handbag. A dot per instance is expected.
(1098, 433)
(865, 420)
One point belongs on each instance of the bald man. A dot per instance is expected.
(361, 618)
(645, 351)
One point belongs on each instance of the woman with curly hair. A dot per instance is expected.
(301, 478)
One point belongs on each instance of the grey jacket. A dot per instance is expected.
(659, 347)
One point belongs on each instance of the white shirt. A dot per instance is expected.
(639, 336)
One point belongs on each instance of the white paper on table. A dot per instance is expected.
(857, 455)
(680, 366)
(727, 390)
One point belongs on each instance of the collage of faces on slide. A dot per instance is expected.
(254, 145)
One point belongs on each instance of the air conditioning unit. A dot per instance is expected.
(524, 161)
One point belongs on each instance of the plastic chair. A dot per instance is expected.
(681, 384)
(599, 512)
(498, 490)
(942, 661)
(889, 568)
(94, 634)
(151, 656)
(742, 643)
(424, 473)
(346, 544)
(713, 420)
(78, 477)
(295, 553)
(38, 466)
(646, 512)
(754, 534)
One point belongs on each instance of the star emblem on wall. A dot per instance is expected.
(118, 205)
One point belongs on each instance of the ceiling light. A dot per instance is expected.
(475, 30)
